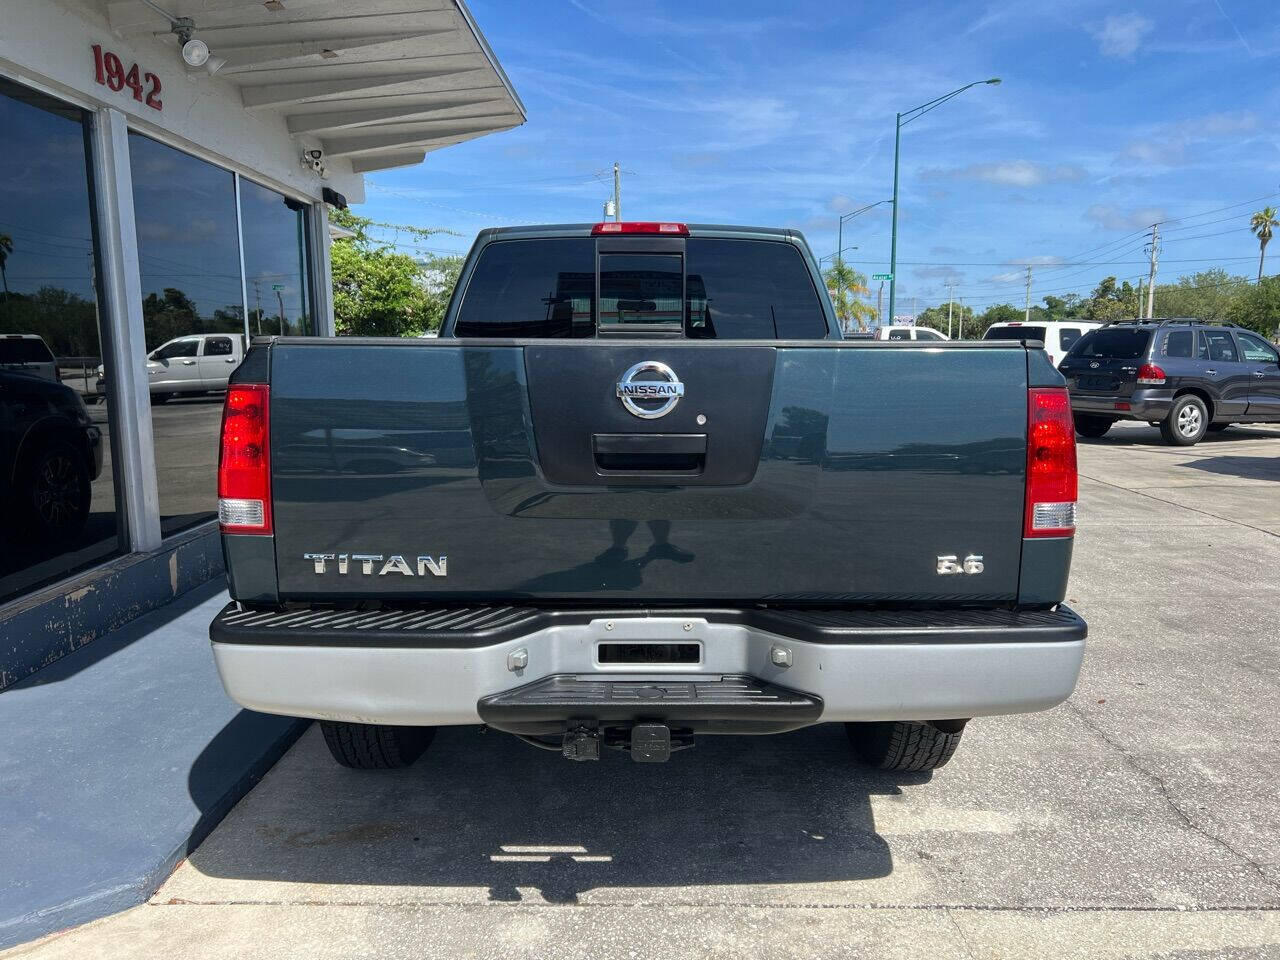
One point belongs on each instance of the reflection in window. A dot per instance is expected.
(57, 491)
(645, 290)
(275, 262)
(189, 250)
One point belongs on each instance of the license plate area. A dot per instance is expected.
(647, 653)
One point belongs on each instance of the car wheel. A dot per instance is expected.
(55, 491)
(904, 745)
(1218, 427)
(375, 746)
(1088, 426)
(1187, 422)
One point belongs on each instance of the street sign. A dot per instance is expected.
(277, 286)
(904, 320)
(882, 276)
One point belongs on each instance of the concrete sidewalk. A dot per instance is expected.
(116, 761)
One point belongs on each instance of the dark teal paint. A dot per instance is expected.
(875, 459)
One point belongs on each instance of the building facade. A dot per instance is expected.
(168, 171)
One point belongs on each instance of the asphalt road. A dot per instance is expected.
(1141, 818)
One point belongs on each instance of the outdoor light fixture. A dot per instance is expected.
(195, 52)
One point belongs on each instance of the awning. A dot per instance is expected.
(378, 82)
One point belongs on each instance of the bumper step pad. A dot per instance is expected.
(735, 704)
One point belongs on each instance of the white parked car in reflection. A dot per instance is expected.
(198, 363)
(909, 333)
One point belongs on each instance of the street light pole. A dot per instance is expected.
(840, 242)
(915, 113)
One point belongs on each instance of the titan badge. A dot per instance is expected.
(395, 563)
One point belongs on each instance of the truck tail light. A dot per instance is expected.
(1149, 375)
(1051, 464)
(244, 461)
(672, 229)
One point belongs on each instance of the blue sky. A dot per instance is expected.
(1109, 117)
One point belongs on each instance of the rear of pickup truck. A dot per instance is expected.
(640, 490)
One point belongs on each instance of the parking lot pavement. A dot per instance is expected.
(1139, 819)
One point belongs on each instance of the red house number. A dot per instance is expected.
(110, 72)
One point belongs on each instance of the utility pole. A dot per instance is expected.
(1155, 258)
(960, 332)
(1138, 311)
(913, 311)
(617, 192)
(1026, 317)
(880, 305)
(951, 296)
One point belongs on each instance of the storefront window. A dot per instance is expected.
(57, 488)
(275, 262)
(192, 303)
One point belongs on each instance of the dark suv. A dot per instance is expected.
(1187, 377)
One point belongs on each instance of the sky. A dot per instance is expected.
(1108, 118)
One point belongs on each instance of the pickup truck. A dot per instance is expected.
(640, 490)
(184, 366)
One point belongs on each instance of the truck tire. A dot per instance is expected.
(1187, 422)
(1093, 427)
(904, 745)
(375, 746)
(52, 491)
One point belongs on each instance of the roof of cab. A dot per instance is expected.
(532, 231)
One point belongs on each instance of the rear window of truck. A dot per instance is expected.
(1015, 333)
(732, 290)
(1113, 344)
(24, 350)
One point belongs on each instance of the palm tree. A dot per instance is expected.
(1262, 223)
(6, 248)
(847, 286)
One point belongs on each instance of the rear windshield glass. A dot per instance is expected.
(725, 289)
(750, 290)
(1114, 343)
(24, 350)
(1015, 333)
(531, 288)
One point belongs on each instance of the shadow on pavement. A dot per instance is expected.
(1248, 468)
(484, 810)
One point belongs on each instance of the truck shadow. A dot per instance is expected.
(483, 810)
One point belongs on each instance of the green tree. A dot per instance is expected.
(1207, 295)
(381, 292)
(6, 248)
(935, 318)
(1257, 306)
(847, 287)
(1262, 224)
(1111, 301)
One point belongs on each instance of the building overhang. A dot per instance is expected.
(377, 84)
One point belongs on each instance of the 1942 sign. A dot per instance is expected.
(109, 71)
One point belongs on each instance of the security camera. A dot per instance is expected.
(315, 160)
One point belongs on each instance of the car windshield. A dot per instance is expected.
(1113, 343)
(1015, 333)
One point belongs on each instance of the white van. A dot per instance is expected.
(909, 333)
(1058, 336)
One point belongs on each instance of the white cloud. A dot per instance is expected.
(1016, 173)
(1115, 219)
(1120, 35)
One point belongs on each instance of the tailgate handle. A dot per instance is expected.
(683, 453)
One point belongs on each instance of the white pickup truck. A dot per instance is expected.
(199, 363)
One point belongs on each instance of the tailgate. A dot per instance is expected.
(787, 470)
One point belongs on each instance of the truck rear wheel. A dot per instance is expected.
(375, 746)
(904, 745)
